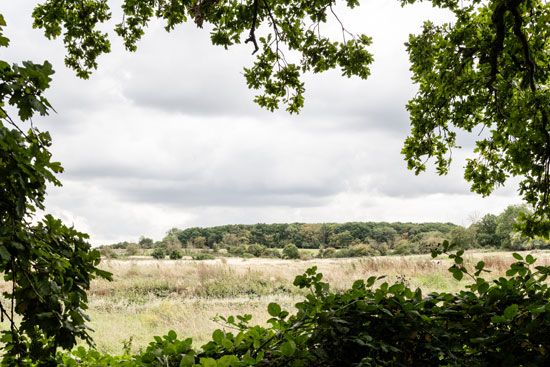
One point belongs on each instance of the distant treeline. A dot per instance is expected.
(308, 235)
(346, 239)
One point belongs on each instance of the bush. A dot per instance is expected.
(404, 247)
(158, 253)
(272, 252)
(361, 250)
(327, 252)
(175, 255)
(290, 251)
(203, 256)
(381, 249)
(108, 253)
(256, 250)
(132, 249)
(237, 250)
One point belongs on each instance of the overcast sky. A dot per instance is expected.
(169, 137)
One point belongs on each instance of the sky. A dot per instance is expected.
(169, 136)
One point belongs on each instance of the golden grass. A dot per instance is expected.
(151, 297)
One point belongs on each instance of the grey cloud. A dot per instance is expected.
(227, 196)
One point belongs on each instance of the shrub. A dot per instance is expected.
(237, 250)
(272, 252)
(381, 249)
(132, 249)
(361, 250)
(290, 251)
(405, 247)
(256, 250)
(175, 255)
(158, 253)
(203, 256)
(327, 252)
(108, 253)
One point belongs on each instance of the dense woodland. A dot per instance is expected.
(341, 239)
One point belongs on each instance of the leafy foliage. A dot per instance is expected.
(296, 29)
(290, 251)
(158, 253)
(175, 255)
(48, 264)
(486, 71)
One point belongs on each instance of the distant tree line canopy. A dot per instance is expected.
(345, 239)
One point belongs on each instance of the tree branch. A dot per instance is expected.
(252, 35)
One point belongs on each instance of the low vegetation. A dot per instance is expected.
(495, 313)
(150, 297)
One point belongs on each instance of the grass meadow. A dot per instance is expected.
(151, 297)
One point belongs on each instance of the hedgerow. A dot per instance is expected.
(505, 322)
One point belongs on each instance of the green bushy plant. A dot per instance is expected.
(290, 251)
(108, 253)
(327, 252)
(256, 250)
(203, 256)
(175, 255)
(405, 247)
(158, 253)
(273, 252)
(237, 250)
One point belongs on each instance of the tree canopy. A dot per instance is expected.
(486, 73)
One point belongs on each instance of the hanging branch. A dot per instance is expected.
(252, 36)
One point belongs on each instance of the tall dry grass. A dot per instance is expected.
(150, 297)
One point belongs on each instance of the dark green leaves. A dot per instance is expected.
(78, 20)
(49, 264)
(277, 31)
(487, 72)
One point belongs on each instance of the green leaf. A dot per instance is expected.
(4, 253)
(288, 348)
(511, 311)
(480, 265)
(274, 309)
(169, 350)
(517, 256)
(498, 319)
(227, 344)
(511, 272)
(148, 357)
(218, 336)
(172, 336)
(208, 362)
(187, 360)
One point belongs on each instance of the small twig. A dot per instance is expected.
(344, 30)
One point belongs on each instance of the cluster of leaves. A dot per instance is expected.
(48, 264)
(486, 72)
(504, 322)
(295, 28)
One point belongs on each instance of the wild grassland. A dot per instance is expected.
(150, 297)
